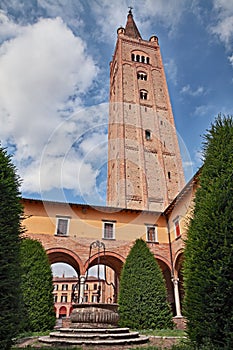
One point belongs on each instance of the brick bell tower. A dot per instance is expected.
(144, 163)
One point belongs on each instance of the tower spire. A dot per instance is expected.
(131, 29)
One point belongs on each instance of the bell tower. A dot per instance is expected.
(144, 163)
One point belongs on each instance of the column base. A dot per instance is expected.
(180, 322)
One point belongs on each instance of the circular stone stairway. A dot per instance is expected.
(93, 337)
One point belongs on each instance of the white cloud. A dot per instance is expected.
(187, 90)
(171, 70)
(40, 69)
(198, 158)
(230, 58)
(72, 156)
(204, 110)
(113, 16)
(223, 27)
(169, 13)
(8, 29)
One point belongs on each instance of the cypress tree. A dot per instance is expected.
(37, 286)
(142, 296)
(10, 229)
(208, 268)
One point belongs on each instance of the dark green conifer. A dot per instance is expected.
(10, 229)
(142, 297)
(37, 286)
(208, 264)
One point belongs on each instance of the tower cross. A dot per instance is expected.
(130, 9)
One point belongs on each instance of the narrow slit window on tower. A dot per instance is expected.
(169, 175)
(147, 60)
(133, 57)
(148, 134)
(137, 58)
(143, 59)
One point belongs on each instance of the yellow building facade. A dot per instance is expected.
(67, 230)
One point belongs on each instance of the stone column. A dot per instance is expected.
(81, 288)
(177, 297)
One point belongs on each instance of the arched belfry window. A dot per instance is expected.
(140, 57)
(143, 95)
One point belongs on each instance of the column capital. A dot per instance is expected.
(82, 278)
(175, 280)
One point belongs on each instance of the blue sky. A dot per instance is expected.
(54, 83)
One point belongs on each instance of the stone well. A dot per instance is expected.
(94, 315)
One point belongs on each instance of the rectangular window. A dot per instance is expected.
(151, 233)
(86, 286)
(64, 299)
(85, 298)
(64, 287)
(55, 287)
(62, 226)
(177, 227)
(108, 230)
(94, 298)
(95, 286)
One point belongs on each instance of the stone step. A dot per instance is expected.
(93, 342)
(94, 330)
(71, 335)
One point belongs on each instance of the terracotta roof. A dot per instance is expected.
(131, 29)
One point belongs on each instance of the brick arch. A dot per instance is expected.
(113, 260)
(166, 270)
(178, 261)
(56, 255)
(162, 261)
(62, 311)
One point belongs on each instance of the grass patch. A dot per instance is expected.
(32, 334)
(163, 332)
(46, 348)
